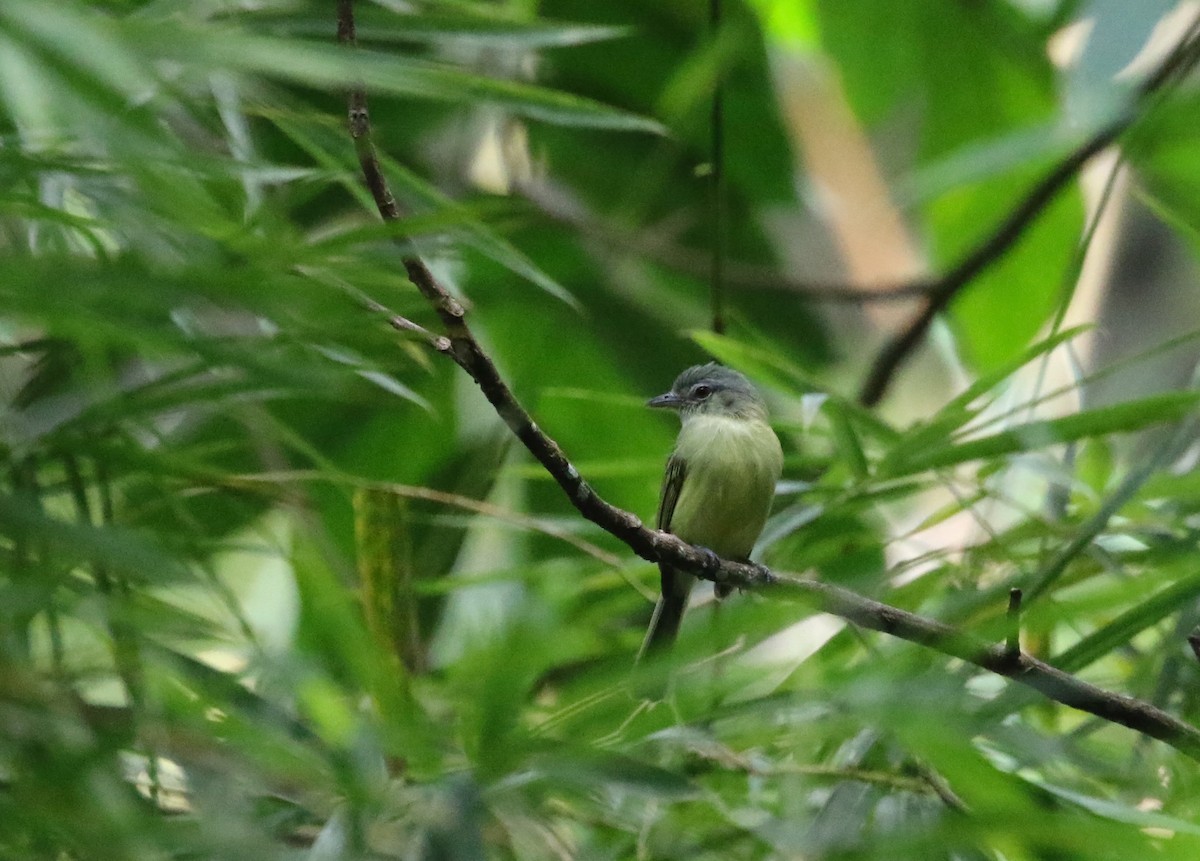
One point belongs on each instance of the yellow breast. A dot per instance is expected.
(732, 468)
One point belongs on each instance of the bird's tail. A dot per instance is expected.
(668, 613)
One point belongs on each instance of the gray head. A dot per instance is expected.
(712, 389)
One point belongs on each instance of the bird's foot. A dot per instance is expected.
(711, 563)
(761, 573)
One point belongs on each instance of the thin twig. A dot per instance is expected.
(656, 546)
(403, 324)
(1005, 236)
(717, 177)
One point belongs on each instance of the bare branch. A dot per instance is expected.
(656, 546)
(1013, 228)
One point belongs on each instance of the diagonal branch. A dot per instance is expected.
(655, 546)
(1006, 235)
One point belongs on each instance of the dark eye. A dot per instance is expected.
(701, 391)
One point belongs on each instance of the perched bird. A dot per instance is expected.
(720, 479)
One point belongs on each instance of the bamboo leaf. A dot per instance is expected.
(1119, 418)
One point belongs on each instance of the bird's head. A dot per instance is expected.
(712, 390)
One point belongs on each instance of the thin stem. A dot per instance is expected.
(717, 176)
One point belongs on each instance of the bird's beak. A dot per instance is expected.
(669, 401)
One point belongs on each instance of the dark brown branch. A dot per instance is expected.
(656, 546)
(901, 346)
(1006, 235)
(1050, 681)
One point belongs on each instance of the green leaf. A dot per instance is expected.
(962, 409)
(1119, 418)
(1117, 812)
(477, 234)
(493, 31)
(770, 367)
(1007, 305)
(322, 65)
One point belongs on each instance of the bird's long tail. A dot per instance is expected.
(668, 612)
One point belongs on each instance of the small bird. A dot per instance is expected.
(720, 479)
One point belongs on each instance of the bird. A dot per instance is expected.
(719, 482)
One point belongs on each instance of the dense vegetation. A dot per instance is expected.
(277, 581)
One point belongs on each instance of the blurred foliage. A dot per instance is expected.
(276, 583)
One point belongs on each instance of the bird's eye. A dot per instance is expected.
(701, 391)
